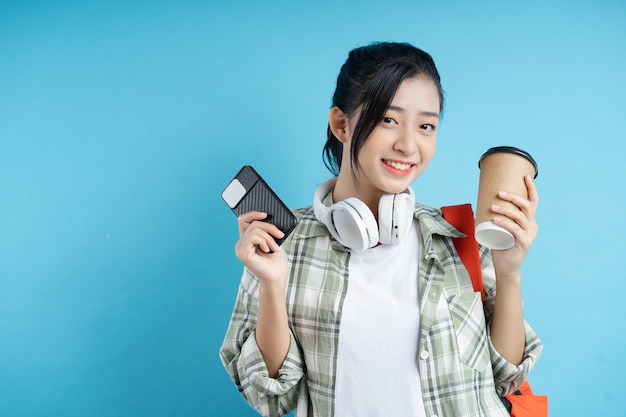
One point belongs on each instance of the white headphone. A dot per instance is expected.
(352, 223)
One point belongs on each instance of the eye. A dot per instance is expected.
(428, 126)
(388, 120)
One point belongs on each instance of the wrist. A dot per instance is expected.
(508, 283)
(272, 290)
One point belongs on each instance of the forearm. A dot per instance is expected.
(272, 329)
(507, 325)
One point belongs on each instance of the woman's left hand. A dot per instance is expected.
(520, 221)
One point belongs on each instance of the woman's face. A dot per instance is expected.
(402, 145)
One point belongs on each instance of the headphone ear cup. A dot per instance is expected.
(395, 214)
(355, 224)
(406, 208)
(386, 218)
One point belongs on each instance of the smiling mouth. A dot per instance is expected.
(398, 165)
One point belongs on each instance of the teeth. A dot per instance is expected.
(398, 165)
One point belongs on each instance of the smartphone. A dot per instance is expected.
(249, 192)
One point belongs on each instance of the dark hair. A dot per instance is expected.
(370, 78)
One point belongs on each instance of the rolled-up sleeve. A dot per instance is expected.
(509, 377)
(243, 361)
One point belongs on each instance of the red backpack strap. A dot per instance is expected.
(462, 218)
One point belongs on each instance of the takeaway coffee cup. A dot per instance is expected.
(501, 169)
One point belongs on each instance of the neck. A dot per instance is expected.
(347, 187)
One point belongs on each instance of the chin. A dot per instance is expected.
(398, 188)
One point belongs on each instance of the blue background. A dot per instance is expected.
(121, 123)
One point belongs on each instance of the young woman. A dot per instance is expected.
(366, 309)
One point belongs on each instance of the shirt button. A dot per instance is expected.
(425, 355)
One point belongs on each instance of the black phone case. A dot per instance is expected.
(258, 196)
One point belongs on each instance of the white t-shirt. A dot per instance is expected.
(377, 373)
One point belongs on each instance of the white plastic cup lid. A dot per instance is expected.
(493, 236)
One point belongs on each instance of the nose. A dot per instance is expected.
(406, 141)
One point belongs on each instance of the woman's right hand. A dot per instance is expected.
(258, 250)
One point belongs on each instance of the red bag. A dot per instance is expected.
(523, 402)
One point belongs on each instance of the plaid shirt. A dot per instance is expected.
(461, 372)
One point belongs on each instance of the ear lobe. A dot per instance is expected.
(338, 123)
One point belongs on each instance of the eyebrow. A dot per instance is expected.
(422, 113)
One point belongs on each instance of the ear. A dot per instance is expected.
(338, 122)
